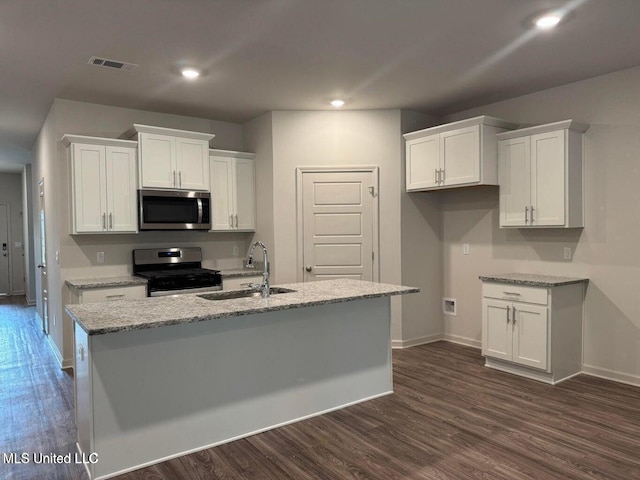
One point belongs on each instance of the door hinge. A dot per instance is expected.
(373, 255)
(372, 191)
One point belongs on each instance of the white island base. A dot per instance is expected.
(145, 396)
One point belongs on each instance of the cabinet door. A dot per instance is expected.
(496, 329)
(192, 164)
(460, 154)
(221, 193)
(245, 194)
(157, 161)
(515, 179)
(238, 283)
(548, 178)
(89, 188)
(530, 335)
(121, 189)
(422, 161)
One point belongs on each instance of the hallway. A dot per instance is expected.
(36, 397)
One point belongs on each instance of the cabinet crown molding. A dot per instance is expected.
(137, 128)
(481, 120)
(106, 142)
(213, 152)
(571, 125)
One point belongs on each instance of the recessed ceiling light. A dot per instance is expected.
(337, 103)
(190, 73)
(548, 20)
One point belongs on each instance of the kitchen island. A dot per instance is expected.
(162, 377)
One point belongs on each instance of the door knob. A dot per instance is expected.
(308, 268)
(40, 265)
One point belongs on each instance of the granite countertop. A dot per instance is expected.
(531, 279)
(100, 282)
(151, 312)
(241, 272)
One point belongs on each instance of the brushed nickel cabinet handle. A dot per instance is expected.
(508, 310)
(526, 214)
(236, 220)
(104, 221)
(180, 179)
(442, 175)
(174, 179)
(111, 221)
(531, 213)
(436, 175)
(231, 221)
(511, 293)
(513, 315)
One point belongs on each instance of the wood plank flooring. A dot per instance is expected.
(449, 418)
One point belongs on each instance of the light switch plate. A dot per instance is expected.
(465, 249)
(100, 257)
(236, 250)
(567, 253)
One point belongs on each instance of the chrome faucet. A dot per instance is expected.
(264, 286)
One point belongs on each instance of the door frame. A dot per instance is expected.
(9, 242)
(300, 171)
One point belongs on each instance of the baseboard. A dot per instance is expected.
(30, 302)
(469, 342)
(54, 349)
(18, 292)
(416, 341)
(612, 375)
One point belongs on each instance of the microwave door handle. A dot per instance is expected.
(199, 200)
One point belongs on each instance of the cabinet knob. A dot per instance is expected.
(308, 268)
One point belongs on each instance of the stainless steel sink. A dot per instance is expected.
(243, 294)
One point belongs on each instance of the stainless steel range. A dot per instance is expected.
(171, 271)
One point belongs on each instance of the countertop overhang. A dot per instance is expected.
(531, 279)
(125, 315)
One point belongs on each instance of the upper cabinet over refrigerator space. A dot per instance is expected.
(172, 159)
(541, 176)
(454, 155)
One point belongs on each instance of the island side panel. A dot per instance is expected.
(159, 393)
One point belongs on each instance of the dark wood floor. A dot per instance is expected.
(449, 418)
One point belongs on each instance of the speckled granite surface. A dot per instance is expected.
(241, 272)
(531, 279)
(85, 283)
(123, 315)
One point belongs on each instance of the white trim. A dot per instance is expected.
(214, 152)
(32, 303)
(9, 243)
(244, 435)
(137, 128)
(54, 349)
(613, 375)
(107, 142)
(469, 342)
(375, 172)
(413, 342)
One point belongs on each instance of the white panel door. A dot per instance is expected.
(89, 184)
(222, 193)
(460, 156)
(121, 189)
(423, 161)
(5, 284)
(530, 335)
(548, 178)
(245, 194)
(157, 161)
(514, 166)
(338, 225)
(496, 329)
(192, 164)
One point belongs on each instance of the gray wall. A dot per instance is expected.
(78, 252)
(27, 235)
(605, 250)
(11, 194)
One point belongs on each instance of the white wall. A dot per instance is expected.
(605, 250)
(78, 252)
(27, 235)
(11, 195)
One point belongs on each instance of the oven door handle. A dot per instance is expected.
(199, 200)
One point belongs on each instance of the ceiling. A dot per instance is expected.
(436, 56)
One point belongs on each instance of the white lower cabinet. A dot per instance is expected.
(535, 332)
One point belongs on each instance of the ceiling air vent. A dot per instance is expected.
(116, 64)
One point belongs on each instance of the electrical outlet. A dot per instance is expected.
(100, 257)
(567, 253)
(236, 250)
(465, 249)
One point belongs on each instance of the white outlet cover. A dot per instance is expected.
(465, 249)
(100, 257)
(567, 253)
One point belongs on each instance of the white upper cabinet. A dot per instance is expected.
(103, 185)
(541, 176)
(233, 198)
(172, 159)
(453, 155)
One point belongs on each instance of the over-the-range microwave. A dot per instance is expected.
(174, 210)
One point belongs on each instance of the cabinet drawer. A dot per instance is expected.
(515, 293)
(108, 294)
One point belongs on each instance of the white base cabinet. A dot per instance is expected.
(172, 159)
(103, 185)
(233, 197)
(535, 332)
(541, 176)
(456, 154)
